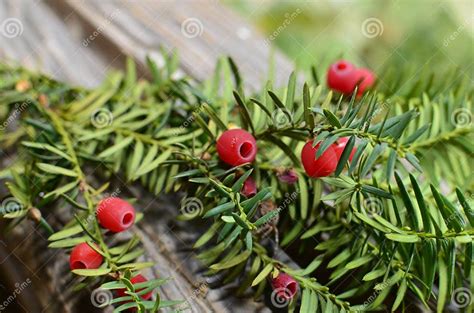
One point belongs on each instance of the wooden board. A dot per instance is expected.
(40, 40)
(78, 41)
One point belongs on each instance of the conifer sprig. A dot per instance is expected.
(381, 219)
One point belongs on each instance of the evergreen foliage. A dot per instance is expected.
(394, 225)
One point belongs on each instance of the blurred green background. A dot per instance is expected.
(377, 34)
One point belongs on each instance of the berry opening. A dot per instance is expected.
(79, 265)
(292, 288)
(127, 218)
(341, 66)
(246, 149)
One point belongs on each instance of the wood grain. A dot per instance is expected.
(46, 45)
(201, 31)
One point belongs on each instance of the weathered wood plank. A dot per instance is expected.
(40, 40)
(201, 31)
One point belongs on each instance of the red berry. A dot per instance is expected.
(285, 286)
(339, 148)
(249, 189)
(115, 214)
(323, 166)
(136, 280)
(236, 147)
(341, 77)
(84, 257)
(365, 78)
